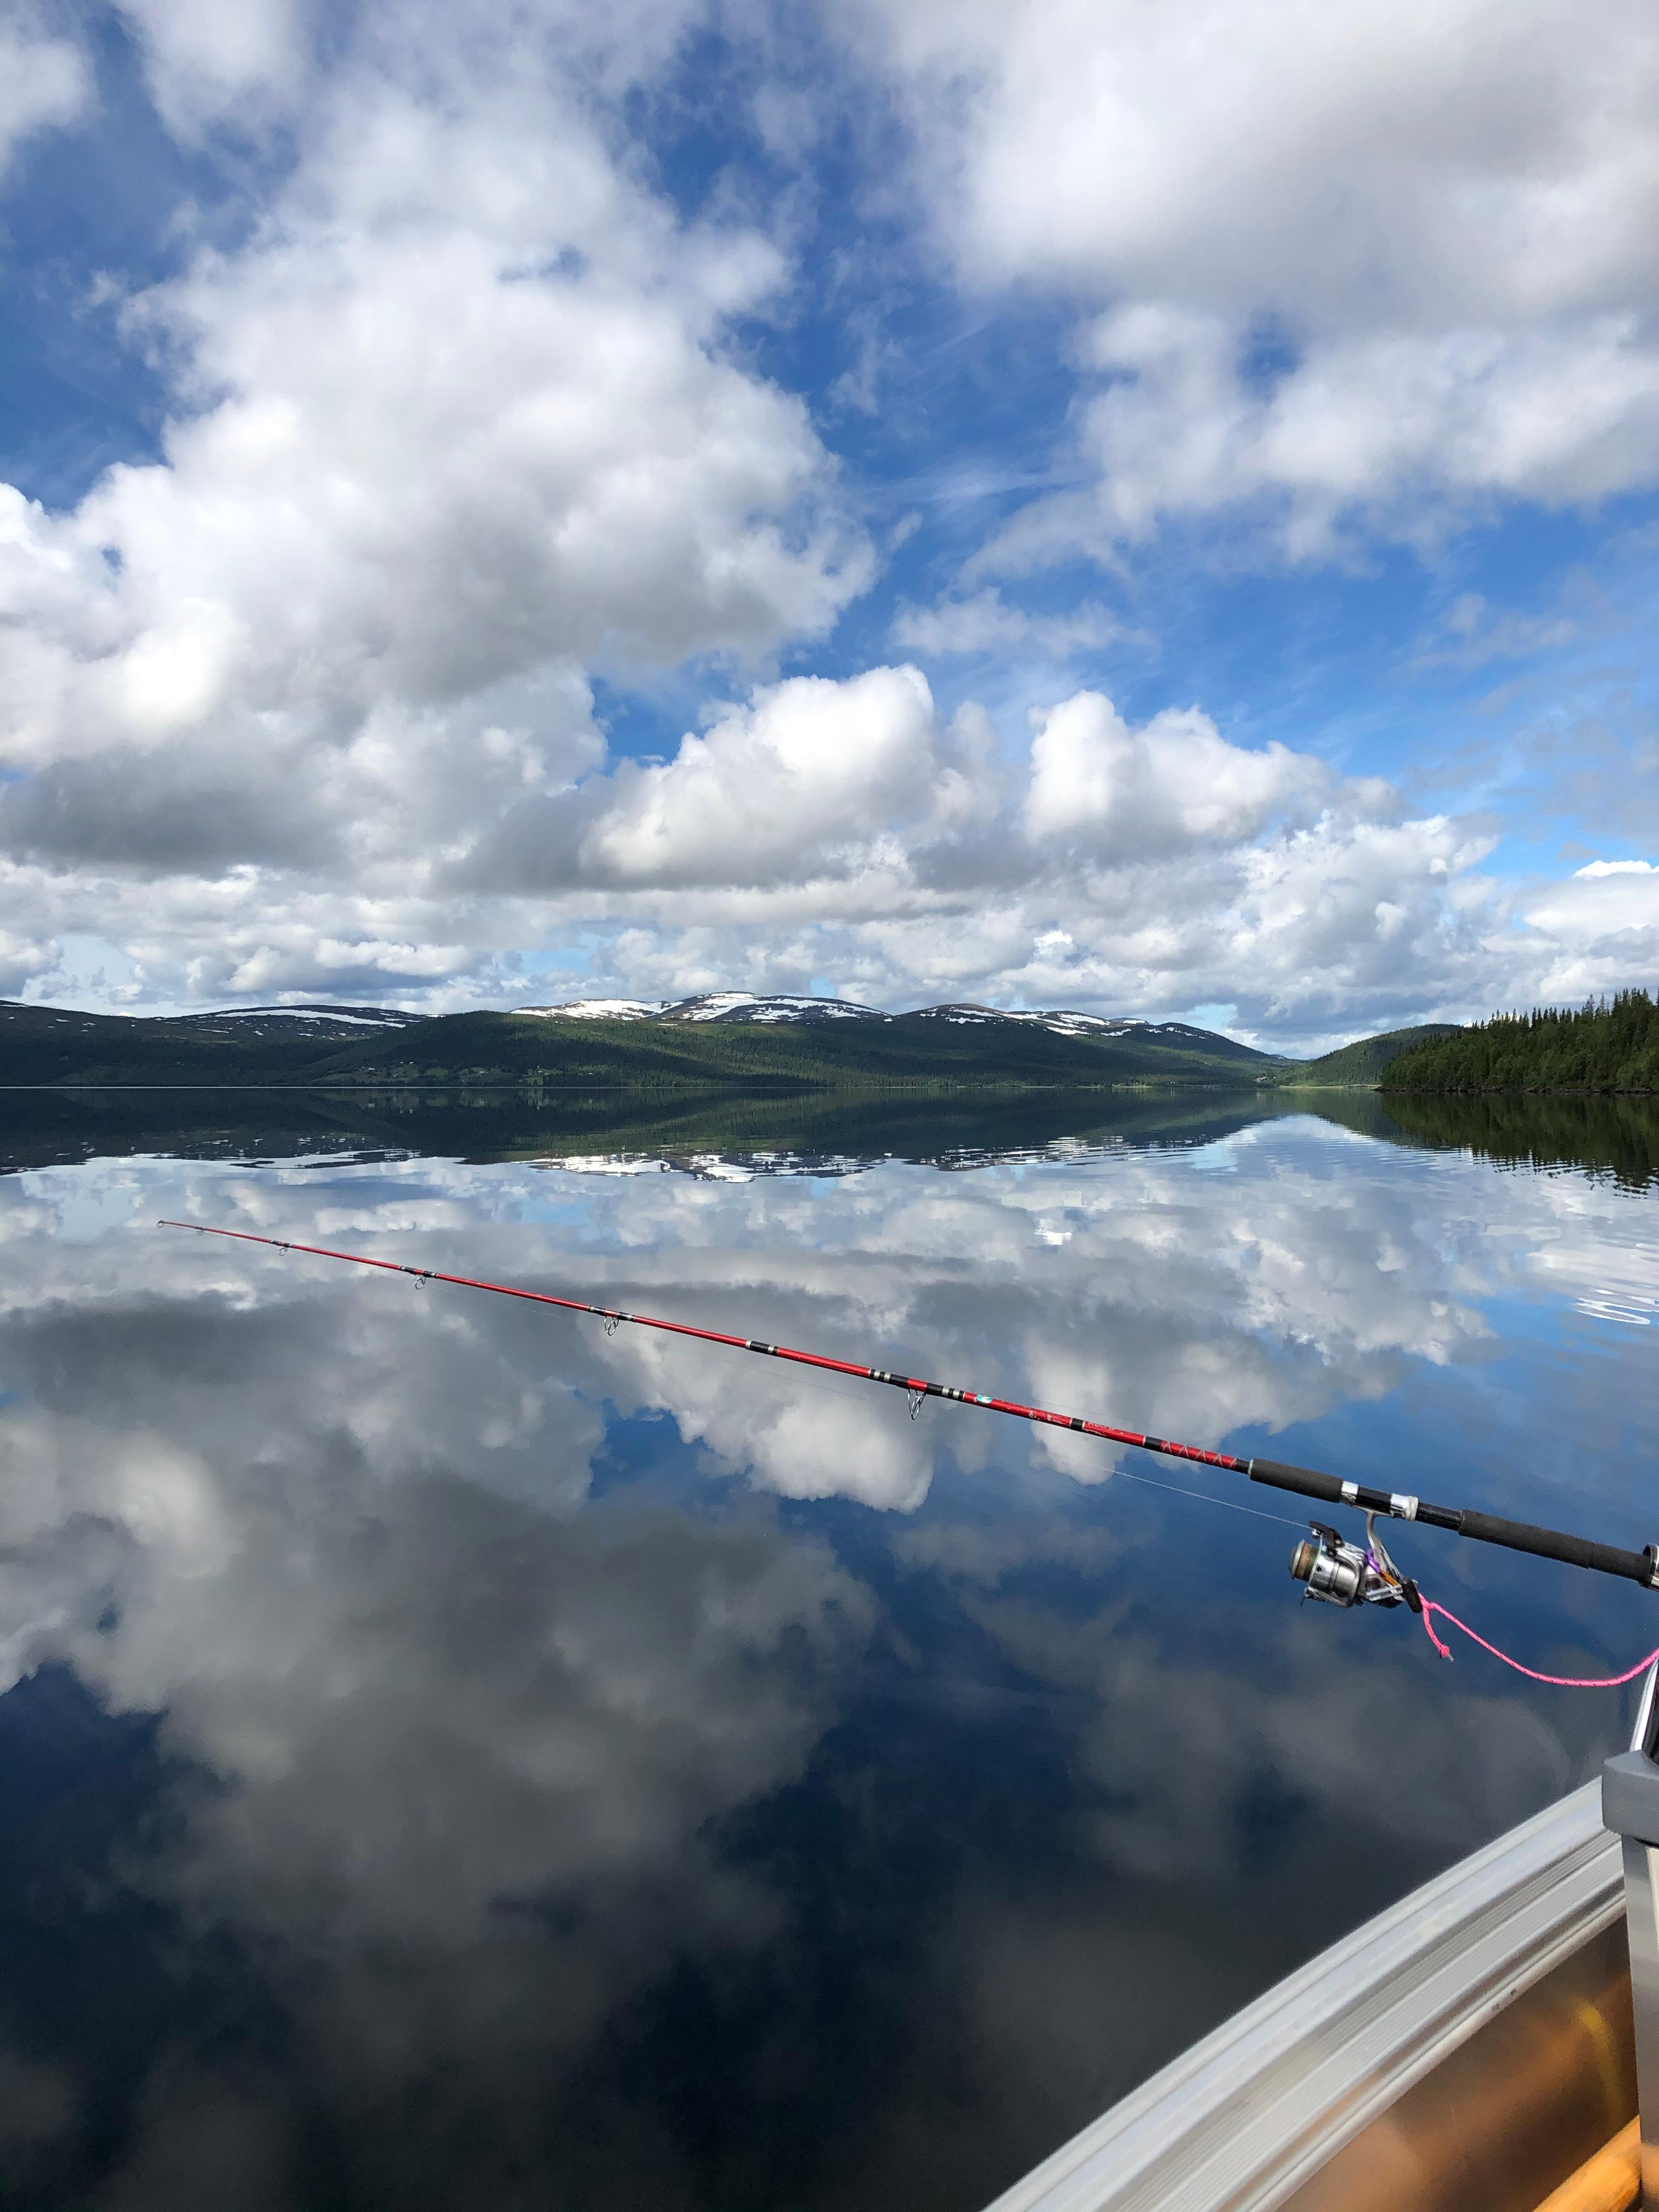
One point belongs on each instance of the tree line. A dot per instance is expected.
(1605, 1045)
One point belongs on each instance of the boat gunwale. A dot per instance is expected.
(1248, 2115)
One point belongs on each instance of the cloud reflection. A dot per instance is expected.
(548, 1726)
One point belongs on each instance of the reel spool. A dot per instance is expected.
(1340, 1573)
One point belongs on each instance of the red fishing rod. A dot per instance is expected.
(1339, 1572)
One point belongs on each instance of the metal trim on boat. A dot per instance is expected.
(1245, 2118)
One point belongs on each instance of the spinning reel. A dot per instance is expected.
(1340, 1573)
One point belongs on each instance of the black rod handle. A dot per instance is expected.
(1482, 1528)
(1551, 1544)
(1330, 1489)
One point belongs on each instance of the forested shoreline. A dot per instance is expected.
(1606, 1045)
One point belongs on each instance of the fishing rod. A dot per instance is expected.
(1331, 1569)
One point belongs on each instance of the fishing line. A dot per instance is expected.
(1205, 1497)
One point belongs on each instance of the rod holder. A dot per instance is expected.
(1630, 1807)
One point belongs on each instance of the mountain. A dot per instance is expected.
(318, 1020)
(1361, 1062)
(312, 1021)
(599, 1010)
(725, 1041)
(732, 1041)
(711, 1006)
(237, 1045)
(903, 1051)
(749, 1007)
(1062, 1021)
(964, 1014)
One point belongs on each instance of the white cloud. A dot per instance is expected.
(779, 789)
(241, 69)
(22, 958)
(1472, 632)
(985, 622)
(1602, 929)
(45, 82)
(1360, 263)
(457, 421)
(835, 830)
(1388, 429)
(327, 1486)
(206, 62)
(1474, 158)
(245, 934)
(1299, 930)
(1176, 782)
(464, 422)
(1137, 869)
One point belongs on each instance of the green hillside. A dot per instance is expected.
(905, 1054)
(1361, 1062)
(52, 1044)
(1607, 1045)
(49, 1046)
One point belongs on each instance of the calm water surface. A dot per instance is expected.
(451, 1758)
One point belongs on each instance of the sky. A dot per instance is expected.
(1152, 509)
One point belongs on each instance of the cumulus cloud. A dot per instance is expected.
(1135, 866)
(1468, 154)
(809, 768)
(467, 434)
(455, 422)
(44, 81)
(1175, 783)
(822, 827)
(22, 958)
(203, 60)
(1138, 866)
(1388, 429)
(1358, 267)
(1601, 928)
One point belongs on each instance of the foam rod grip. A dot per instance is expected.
(1306, 1481)
(1551, 1544)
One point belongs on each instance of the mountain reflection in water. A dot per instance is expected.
(451, 1758)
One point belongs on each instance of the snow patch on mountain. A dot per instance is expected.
(710, 1006)
(599, 1010)
(1062, 1021)
(748, 1006)
(313, 1020)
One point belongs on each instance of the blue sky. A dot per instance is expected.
(1152, 511)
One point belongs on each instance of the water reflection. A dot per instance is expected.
(1619, 1135)
(456, 1758)
(46, 1127)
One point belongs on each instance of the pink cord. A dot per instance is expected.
(1560, 1681)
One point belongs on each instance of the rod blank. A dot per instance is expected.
(1306, 1481)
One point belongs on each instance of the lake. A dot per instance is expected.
(452, 1756)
